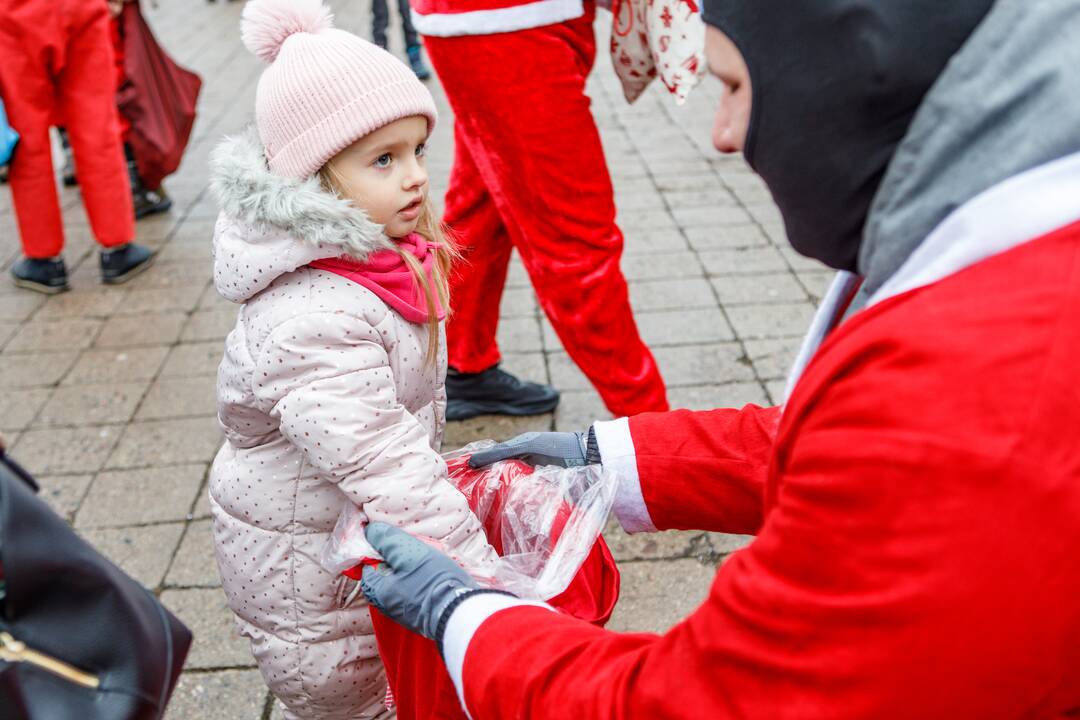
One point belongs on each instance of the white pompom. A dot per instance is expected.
(265, 24)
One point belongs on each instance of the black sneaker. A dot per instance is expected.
(495, 392)
(120, 264)
(150, 202)
(416, 62)
(47, 276)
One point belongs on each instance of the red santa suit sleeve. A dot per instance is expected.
(690, 470)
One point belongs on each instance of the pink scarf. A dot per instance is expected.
(386, 274)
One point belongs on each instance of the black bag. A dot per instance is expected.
(79, 638)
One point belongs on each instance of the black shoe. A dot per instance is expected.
(3, 174)
(150, 202)
(416, 62)
(69, 161)
(47, 276)
(495, 392)
(120, 264)
(146, 201)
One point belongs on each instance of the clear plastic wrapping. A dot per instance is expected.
(542, 521)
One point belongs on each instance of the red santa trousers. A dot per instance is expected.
(529, 173)
(56, 60)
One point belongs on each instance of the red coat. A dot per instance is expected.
(917, 518)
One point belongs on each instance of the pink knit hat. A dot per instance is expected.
(325, 88)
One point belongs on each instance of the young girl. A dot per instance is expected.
(331, 388)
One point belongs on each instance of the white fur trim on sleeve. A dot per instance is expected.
(617, 454)
(463, 624)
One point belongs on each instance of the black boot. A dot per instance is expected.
(495, 392)
(146, 201)
(121, 263)
(69, 160)
(47, 276)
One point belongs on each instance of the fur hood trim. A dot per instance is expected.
(248, 192)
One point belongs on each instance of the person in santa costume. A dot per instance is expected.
(529, 173)
(56, 60)
(916, 500)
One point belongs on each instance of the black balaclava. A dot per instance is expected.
(836, 84)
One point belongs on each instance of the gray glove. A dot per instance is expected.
(544, 448)
(416, 584)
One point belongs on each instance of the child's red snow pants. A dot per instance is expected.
(56, 61)
(529, 172)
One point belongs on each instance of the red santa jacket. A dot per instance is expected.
(916, 506)
(448, 18)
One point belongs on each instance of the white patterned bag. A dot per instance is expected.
(657, 37)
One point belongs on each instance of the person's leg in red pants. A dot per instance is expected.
(56, 60)
(524, 126)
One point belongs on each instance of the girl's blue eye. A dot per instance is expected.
(383, 161)
(421, 150)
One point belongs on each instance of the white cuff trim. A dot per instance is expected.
(618, 455)
(500, 20)
(463, 624)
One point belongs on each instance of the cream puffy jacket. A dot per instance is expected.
(325, 399)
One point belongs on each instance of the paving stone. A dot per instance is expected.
(771, 321)
(142, 552)
(194, 359)
(202, 505)
(527, 366)
(727, 543)
(35, 369)
(210, 324)
(703, 364)
(729, 236)
(117, 365)
(221, 695)
(92, 404)
(709, 397)
(708, 196)
(817, 283)
(492, 427)
(195, 564)
(82, 303)
(652, 241)
(767, 288)
(169, 299)
(773, 358)
(519, 335)
(710, 217)
(671, 294)
(65, 450)
(217, 642)
(518, 302)
(578, 410)
(686, 182)
(64, 493)
(18, 408)
(799, 263)
(176, 274)
(565, 375)
(147, 329)
(677, 264)
(646, 220)
(657, 595)
(775, 389)
(179, 398)
(167, 442)
(694, 326)
(7, 331)
(59, 335)
(184, 251)
(743, 260)
(652, 546)
(16, 307)
(148, 495)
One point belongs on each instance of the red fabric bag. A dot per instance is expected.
(419, 683)
(158, 98)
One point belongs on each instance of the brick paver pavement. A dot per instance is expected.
(108, 393)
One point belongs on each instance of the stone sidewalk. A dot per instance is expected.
(108, 393)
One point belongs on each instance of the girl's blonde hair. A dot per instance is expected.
(441, 244)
